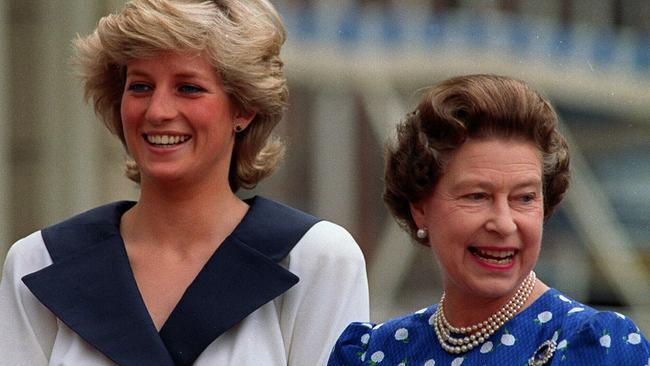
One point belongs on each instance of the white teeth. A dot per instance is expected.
(497, 254)
(494, 256)
(166, 139)
(497, 261)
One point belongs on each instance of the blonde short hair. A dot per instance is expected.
(242, 40)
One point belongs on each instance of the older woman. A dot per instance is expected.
(475, 171)
(189, 274)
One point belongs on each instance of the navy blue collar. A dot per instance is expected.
(91, 288)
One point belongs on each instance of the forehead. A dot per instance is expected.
(494, 159)
(172, 62)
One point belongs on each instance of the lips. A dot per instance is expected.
(166, 140)
(494, 256)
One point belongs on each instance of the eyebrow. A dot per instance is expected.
(182, 75)
(481, 183)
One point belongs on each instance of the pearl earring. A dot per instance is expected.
(422, 233)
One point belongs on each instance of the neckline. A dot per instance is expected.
(242, 227)
(90, 286)
(540, 301)
(543, 299)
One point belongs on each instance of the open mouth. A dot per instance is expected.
(166, 140)
(499, 257)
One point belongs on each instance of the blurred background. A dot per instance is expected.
(355, 68)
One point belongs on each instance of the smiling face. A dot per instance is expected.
(178, 121)
(485, 216)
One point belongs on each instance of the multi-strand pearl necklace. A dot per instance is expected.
(476, 334)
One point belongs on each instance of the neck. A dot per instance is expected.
(463, 311)
(474, 333)
(182, 217)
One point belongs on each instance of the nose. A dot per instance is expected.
(161, 107)
(501, 220)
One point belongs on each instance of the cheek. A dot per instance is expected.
(128, 116)
(455, 224)
(446, 233)
(532, 229)
(537, 235)
(209, 118)
(127, 113)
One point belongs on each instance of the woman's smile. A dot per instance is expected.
(165, 140)
(177, 118)
(485, 217)
(494, 258)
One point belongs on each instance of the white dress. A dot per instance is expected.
(278, 291)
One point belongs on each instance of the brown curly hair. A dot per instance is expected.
(241, 39)
(472, 106)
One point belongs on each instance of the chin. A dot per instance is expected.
(160, 175)
(498, 290)
(497, 287)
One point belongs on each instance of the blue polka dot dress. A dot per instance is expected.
(582, 335)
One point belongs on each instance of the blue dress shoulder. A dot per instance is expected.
(583, 335)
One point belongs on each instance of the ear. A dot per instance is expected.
(418, 212)
(244, 118)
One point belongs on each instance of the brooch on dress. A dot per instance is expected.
(543, 354)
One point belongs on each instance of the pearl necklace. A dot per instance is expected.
(478, 333)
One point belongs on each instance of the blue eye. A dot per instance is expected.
(477, 196)
(138, 87)
(190, 89)
(527, 198)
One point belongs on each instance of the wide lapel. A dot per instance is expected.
(241, 276)
(91, 288)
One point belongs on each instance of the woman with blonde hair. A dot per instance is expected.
(475, 170)
(189, 274)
